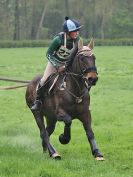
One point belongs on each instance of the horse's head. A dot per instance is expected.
(85, 63)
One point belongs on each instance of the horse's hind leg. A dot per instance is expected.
(86, 120)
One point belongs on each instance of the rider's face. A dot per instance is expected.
(74, 34)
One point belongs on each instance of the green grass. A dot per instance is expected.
(112, 120)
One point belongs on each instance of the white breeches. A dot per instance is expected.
(50, 69)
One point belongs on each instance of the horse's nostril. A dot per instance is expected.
(93, 81)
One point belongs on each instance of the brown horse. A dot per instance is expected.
(67, 99)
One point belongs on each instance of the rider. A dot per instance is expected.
(57, 54)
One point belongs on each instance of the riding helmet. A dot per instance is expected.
(71, 25)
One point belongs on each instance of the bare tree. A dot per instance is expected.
(67, 7)
(26, 19)
(42, 19)
(16, 21)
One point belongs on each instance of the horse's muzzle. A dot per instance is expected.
(90, 79)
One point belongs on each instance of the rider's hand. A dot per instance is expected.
(61, 69)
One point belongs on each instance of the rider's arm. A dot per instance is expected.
(54, 46)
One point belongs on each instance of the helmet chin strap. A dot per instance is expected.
(68, 36)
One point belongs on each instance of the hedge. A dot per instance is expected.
(114, 42)
(25, 43)
(45, 43)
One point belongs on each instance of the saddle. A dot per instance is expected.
(55, 82)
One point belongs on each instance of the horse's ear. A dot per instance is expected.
(91, 44)
(80, 44)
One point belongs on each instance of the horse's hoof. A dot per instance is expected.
(63, 139)
(44, 150)
(56, 156)
(99, 158)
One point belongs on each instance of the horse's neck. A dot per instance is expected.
(76, 80)
(76, 84)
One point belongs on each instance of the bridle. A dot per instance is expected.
(88, 54)
(81, 75)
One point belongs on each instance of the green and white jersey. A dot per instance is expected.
(60, 49)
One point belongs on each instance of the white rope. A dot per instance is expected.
(12, 87)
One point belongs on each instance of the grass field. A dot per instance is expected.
(112, 113)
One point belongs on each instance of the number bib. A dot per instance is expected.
(63, 52)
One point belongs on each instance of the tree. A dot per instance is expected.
(16, 21)
(67, 7)
(42, 19)
(34, 19)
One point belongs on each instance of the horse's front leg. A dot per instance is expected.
(50, 129)
(86, 120)
(66, 136)
(44, 134)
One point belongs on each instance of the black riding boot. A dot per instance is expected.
(38, 100)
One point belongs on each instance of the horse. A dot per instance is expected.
(67, 99)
